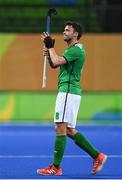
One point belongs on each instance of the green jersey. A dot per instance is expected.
(70, 73)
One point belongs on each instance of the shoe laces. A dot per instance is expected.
(49, 167)
(96, 162)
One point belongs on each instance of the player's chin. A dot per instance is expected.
(66, 39)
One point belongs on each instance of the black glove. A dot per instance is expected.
(49, 42)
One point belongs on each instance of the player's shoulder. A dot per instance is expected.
(79, 46)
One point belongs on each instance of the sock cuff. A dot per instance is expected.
(61, 139)
(61, 136)
(76, 136)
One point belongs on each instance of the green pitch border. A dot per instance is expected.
(39, 107)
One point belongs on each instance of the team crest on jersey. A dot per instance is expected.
(57, 115)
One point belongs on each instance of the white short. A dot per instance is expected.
(66, 108)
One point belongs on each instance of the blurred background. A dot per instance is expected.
(22, 98)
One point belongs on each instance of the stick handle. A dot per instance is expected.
(44, 72)
(45, 58)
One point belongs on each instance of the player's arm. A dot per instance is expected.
(54, 59)
(46, 53)
(52, 65)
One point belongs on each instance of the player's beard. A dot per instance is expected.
(67, 39)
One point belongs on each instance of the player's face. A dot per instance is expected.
(68, 33)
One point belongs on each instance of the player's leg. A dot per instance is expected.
(59, 147)
(61, 134)
(60, 128)
(60, 143)
(78, 137)
(98, 158)
(82, 142)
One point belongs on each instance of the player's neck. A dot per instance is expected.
(72, 43)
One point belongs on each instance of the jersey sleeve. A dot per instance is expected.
(72, 54)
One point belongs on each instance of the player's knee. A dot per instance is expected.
(71, 132)
(60, 128)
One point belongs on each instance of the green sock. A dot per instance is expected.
(59, 148)
(83, 143)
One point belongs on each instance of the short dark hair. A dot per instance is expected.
(77, 27)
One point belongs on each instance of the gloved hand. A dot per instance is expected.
(49, 42)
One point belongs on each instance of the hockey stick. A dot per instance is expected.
(49, 13)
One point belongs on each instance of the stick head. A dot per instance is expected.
(52, 11)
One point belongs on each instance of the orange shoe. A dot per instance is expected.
(98, 163)
(50, 170)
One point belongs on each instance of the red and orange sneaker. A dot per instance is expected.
(50, 170)
(98, 163)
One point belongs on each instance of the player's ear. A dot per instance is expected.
(76, 34)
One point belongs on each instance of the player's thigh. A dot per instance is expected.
(60, 108)
(73, 104)
(66, 109)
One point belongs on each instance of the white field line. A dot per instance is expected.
(58, 179)
(50, 156)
